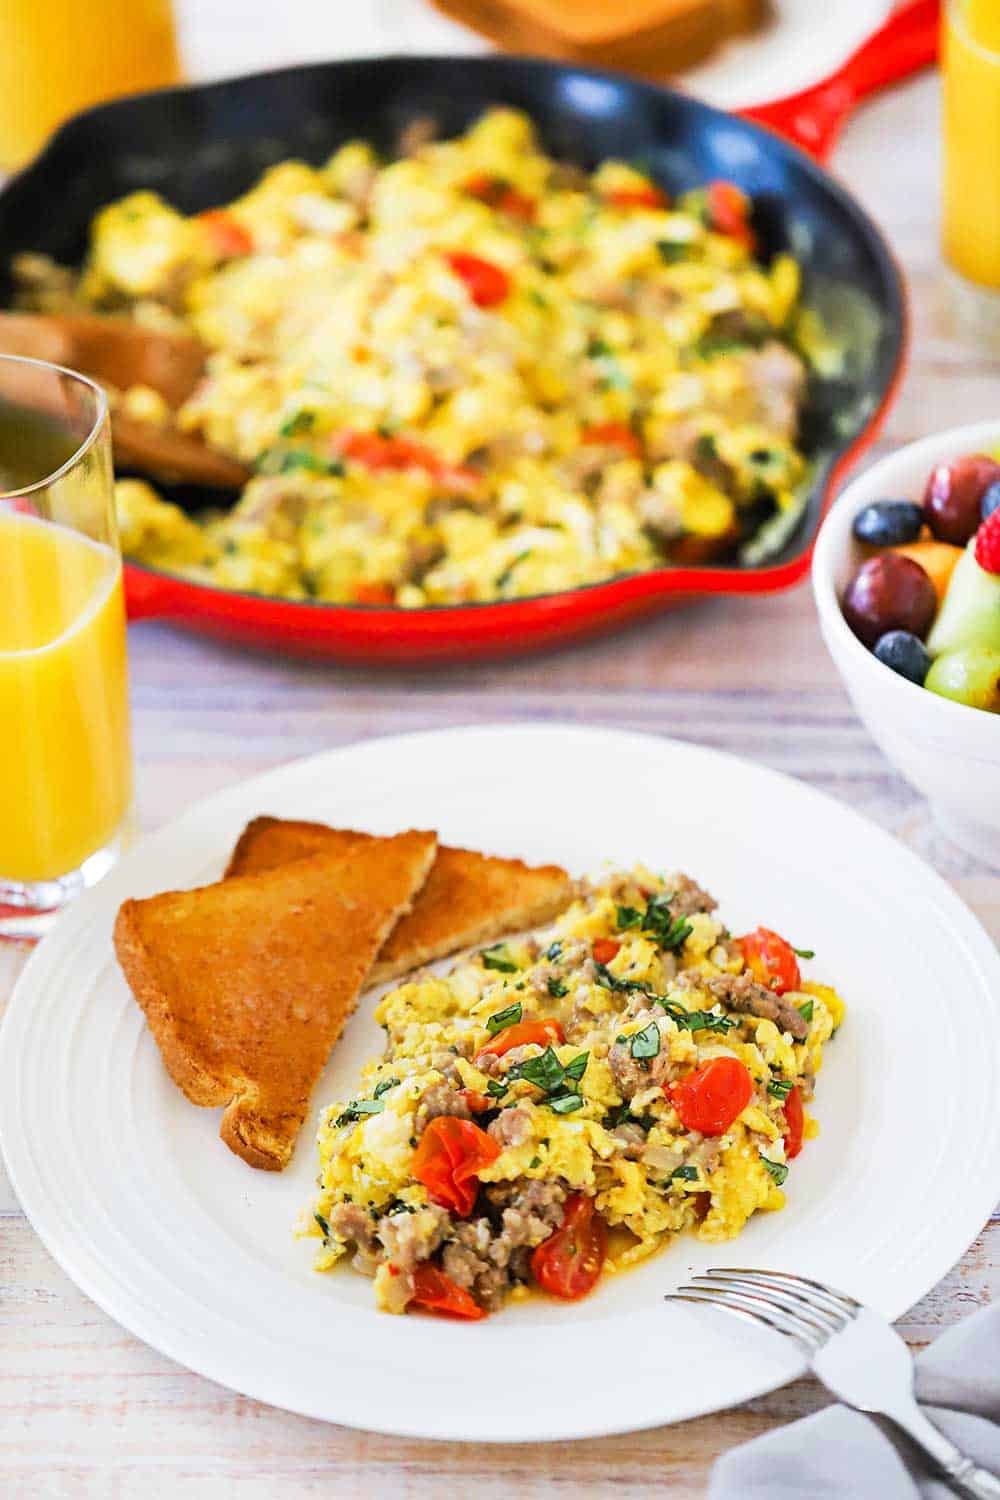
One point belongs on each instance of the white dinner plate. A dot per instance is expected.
(133, 1193)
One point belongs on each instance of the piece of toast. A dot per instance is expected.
(247, 984)
(645, 36)
(468, 898)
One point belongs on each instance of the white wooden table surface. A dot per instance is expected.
(86, 1410)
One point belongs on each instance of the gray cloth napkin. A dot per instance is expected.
(839, 1452)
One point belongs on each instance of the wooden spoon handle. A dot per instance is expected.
(171, 455)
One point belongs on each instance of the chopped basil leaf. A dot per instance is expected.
(536, 1161)
(780, 1088)
(299, 458)
(384, 1086)
(496, 1089)
(695, 1020)
(502, 579)
(777, 1169)
(706, 447)
(672, 251)
(577, 1067)
(669, 932)
(554, 951)
(685, 1174)
(804, 952)
(501, 1019)
(610, 981)
(557, 988)
(498, 958)
(358, 1108)
(546, 1072)
(646, 1043)
(711, 344)
(806, 1010)
(564, 1104)
(656, 921)
(323, 1225)
(301, 422)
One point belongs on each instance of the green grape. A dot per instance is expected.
(970, 675)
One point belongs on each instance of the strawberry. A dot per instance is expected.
(988, 544)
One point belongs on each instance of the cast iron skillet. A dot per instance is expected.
(205, 144)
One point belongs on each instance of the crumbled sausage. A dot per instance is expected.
(407, 1238)
(440, 1099)
(633, 1074)
(512, 1127)
(686, 896)
(355, 1225)
(485, 1260)
(742, 993)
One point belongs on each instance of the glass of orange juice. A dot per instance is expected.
(971, 116)
(59, 56)
(65, 756)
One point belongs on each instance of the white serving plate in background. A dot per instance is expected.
(803, 44)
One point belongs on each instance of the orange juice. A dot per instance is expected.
(971, 66)
(58, 56)
(65, 759)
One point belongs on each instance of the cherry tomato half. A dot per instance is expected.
(569, 1262)
(228, 236)
(771, 960)
(373, 593)
(729, 212)
(450, 1153)
(488, 285)
(378, 453)
(499, 194)
(795, 1124)
(710, 1098)
(439, 1294)
(648, 196)
(613, 435)
(542, 1033)
(605, 949)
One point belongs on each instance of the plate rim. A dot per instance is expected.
(976, 941)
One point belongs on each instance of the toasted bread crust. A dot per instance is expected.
(468, 898)
(247, 984)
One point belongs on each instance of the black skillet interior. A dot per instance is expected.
(205, 144)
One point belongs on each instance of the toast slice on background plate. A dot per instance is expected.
(468, 898)
(246, 984)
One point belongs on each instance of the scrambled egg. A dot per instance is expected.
(646, 987)
(471, 373)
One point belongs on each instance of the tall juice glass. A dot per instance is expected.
(971, 118)
(65, 757)
(58, 56)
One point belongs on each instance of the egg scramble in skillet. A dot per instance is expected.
(562, 1105)
(471, 373)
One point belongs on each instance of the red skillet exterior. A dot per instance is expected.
(307, 108)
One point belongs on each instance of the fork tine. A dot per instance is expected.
(815, 1291)
(754, 1311)
(822, 1318)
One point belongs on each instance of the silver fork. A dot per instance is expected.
(855, 1353)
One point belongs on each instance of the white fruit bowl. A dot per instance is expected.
(948, 751)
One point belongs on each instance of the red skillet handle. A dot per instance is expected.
(813, 118)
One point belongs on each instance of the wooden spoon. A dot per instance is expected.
(115, 352)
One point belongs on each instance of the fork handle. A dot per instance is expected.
(966, 1477)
